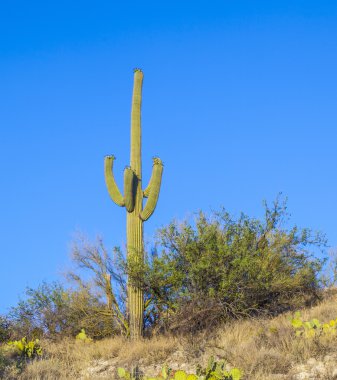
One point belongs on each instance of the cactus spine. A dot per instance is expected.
(133, 202)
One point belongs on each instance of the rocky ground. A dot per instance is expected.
(313, 369)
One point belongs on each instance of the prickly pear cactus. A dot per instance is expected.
(133, 202)
(180, 375)
(214, 371)
(82, 337)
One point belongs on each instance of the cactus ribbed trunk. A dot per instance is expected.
(135, 292)
(133, 202)
(134, 225)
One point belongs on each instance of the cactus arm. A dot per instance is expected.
(146, 192)
(130, 188)
(157, 172)
(113, 190)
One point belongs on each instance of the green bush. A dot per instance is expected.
(200, 272)
(5, 329)
(220, 267)
(4, 363)
(55, 312)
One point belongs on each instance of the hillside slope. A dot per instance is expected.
(263, 348)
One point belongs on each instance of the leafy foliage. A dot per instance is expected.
(4, 363)
(107, 279)
(220, 267)
(199, 273)
(53, 311)
(5, 329)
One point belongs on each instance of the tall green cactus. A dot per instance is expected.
(133, 202)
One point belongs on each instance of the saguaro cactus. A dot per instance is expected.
(133, 202)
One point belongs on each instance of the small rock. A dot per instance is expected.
(312, 361)
(302, 376)
(319, 369)
(329, 358)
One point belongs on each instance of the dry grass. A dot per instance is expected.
(68, 358)
(262, 348)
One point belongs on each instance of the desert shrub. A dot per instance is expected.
(5, 329)
(42, 311)
(4, 363)
(54, 312)
(93, 303)
(219, 267)
(199, 273)
(105, 275)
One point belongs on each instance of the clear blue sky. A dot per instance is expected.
(239, 100)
